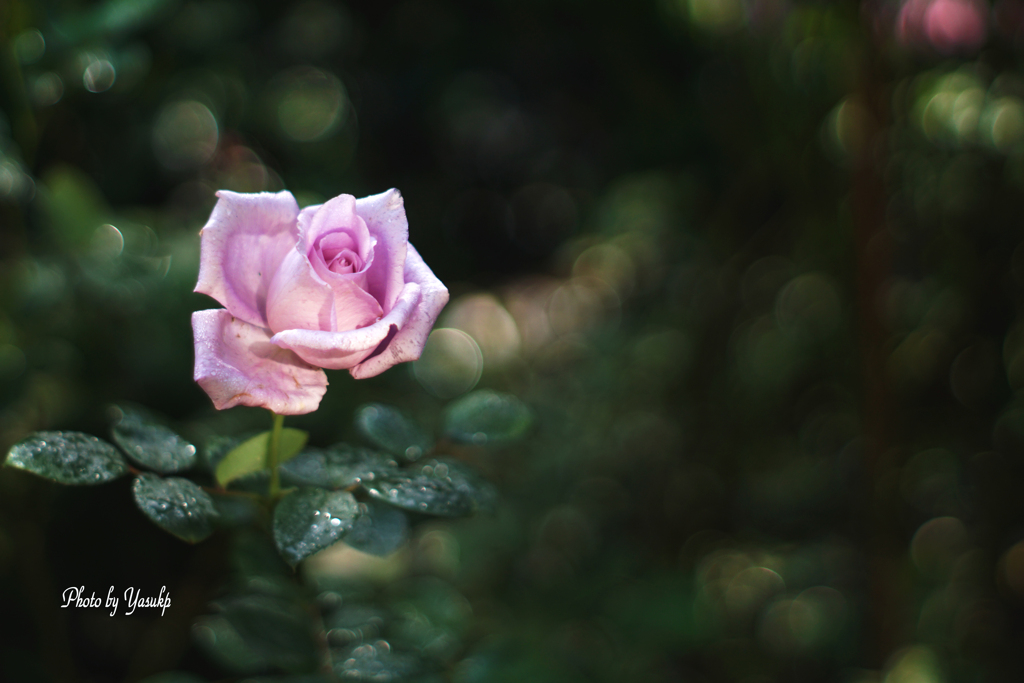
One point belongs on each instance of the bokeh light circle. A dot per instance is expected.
(311, 104)
(185, 135)
(451, 363)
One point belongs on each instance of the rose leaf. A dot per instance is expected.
(433, 489)
(481, 492)
(380, 531)
(487, 417)
(68, 458)
(176, 505)
(310, 519)
(337, 467)
(251, 455)
(149, 443)
(389, 429)
(217, 447)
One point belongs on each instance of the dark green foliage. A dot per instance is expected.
(253, 632)
(427, 490)
(299, 678)
(388, 429)
(225, 646)
(173, 677)
(337, 467)
(754, 266)
(310, 519)
(218, 446)
(238, 511)
(176, 505)
(487, 417)
(355, 623)
(150, 444)
(68, 458)
(379, 530)
(374, 662)
(482, 493)
(430, 487)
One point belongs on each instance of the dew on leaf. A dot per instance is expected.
(68, 458)
(310, 519)
(176, 505)
(337, 467)
(149, 443)
(387, 428)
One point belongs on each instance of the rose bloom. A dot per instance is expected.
(333, 286)
(947, 26)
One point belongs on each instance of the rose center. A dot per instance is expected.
(339, 251)
(345, 261)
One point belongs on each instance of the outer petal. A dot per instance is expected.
(385, 218)
(237, 365)
(243, 244)
(412, 337)
(343, 350)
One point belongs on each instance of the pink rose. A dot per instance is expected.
(332, 286)
(947, 26)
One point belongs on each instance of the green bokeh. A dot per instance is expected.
(753, 267)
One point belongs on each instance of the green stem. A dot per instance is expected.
(273, 451)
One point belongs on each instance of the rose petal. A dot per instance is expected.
(326, 226)
(297, 297)
(335, 216)
(299, 300)
(237, 365)
(343, 350)
(385, 218)
(412, 337)
(243, 244)
(353, 307)
(340, 245)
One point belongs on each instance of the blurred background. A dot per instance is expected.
(755, 265)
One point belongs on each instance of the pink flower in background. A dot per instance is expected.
(334, 286)
(946, 26)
